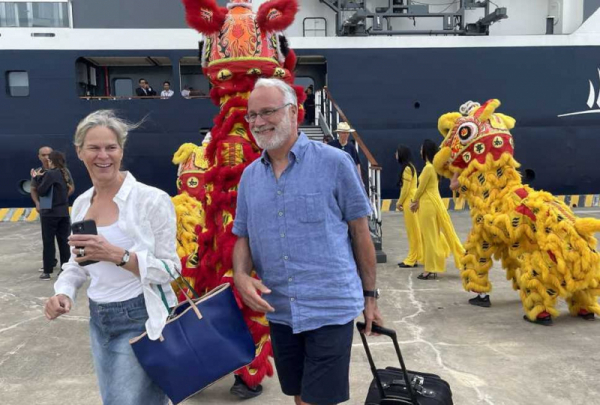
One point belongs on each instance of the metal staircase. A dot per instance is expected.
(314, 133)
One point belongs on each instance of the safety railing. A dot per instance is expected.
(138, 97)
(329, 111)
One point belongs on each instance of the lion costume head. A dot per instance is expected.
(472, 136)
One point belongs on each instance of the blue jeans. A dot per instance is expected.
(121, 379)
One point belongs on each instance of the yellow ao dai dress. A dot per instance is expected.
(411, 221)
(438, 234)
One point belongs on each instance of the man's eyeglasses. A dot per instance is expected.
(264, 114)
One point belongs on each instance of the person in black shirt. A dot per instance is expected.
(55, 220)
(309, 106)
(343, 130)
(43, 155)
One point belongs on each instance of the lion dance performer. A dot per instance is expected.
(546, 250)
(239, 47)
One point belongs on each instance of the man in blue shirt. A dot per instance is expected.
(301, 221)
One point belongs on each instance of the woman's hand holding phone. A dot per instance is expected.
(86, 227)
(95, 248)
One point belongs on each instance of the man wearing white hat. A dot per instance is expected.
(343, 130)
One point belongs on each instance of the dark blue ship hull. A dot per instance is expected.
(391, 96)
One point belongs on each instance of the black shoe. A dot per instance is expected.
(429, 276)
(240, 389)
(45, 276)
(41, 269)
(544, 321)
(586, 316)
(406, 266)
(481, 302)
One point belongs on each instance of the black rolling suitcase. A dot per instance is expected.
(389, 385)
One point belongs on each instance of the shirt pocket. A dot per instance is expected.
(310, 241)
(311, 208)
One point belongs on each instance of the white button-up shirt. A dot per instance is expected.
(166, 94)
(147, 216)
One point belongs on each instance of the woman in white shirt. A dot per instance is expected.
(135, 241)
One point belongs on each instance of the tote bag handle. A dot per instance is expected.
(187, 284)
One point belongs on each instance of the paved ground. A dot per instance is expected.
(489, 356)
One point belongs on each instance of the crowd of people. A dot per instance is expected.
(301, 278)
(136, 239)
(145, 90)
(136, 228)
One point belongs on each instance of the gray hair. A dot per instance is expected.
(289, 94)
(107, 119)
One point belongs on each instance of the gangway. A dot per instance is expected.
(329, 116)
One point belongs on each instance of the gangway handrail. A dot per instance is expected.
(330, 114)
(354, 134)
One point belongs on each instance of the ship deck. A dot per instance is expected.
(489, 356)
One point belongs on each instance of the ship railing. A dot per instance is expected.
(322, 123)
(137, 97)
(330, 115)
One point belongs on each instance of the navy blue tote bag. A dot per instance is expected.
(204, 340)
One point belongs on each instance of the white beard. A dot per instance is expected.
(281, 133)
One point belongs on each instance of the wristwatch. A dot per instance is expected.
(124, 259)
(372, 293)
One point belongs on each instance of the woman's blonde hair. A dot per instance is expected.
(107, 119)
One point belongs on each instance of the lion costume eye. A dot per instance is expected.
(467, 132)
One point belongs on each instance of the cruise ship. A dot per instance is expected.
(389, 67)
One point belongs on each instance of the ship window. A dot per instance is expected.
(123, 87)
(193, 82)
(18, 84)
(34, 14)
(119, 77)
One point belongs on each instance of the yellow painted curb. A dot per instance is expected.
(33, 215)
(16, 216)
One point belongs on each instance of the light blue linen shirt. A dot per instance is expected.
(298, 233)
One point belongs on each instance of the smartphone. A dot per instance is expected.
(87, 227)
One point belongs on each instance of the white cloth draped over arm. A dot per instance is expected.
(152, 270)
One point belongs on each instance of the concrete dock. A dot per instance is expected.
(489, 356)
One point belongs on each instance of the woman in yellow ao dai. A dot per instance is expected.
(438, 234)
(408, 189)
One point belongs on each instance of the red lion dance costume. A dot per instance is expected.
(239, 47)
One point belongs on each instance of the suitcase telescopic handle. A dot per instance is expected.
(391, 334)
(379, 330)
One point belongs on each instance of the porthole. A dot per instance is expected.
(24, 187)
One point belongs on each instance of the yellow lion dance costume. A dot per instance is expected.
(546, 250)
